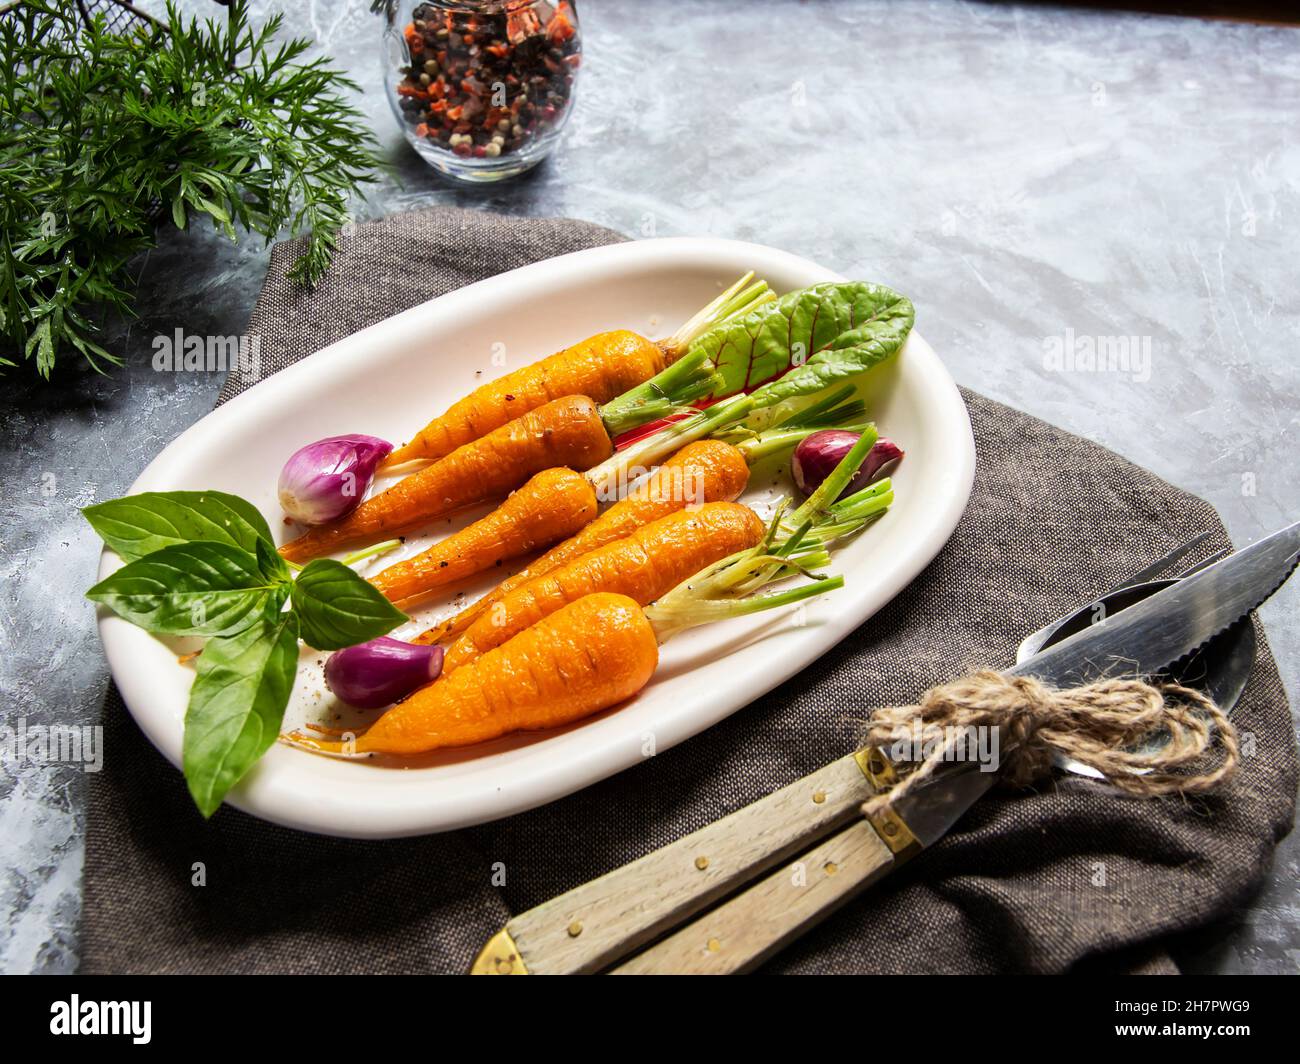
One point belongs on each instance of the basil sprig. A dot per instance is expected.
(201, 563)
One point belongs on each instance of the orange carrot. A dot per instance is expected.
(565, 432)
(601, 367)
(592, 654)
(554, 504)
(618, 365)
(705, 471)
(650, 562)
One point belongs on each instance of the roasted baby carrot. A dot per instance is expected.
(565, 432)
(544, 677)
(602, 367)
(650, 562)
(554, 504)
(701, 472)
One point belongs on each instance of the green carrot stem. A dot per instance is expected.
(829, 533)
(753, 579)
(866, 501)
(356, 556)
(831, 412)
(369, 552)
(795, 410)
(772, 561)
(829, 489)
(735, 301)
(795, 538)
(812, 413)
(847, 528)
(774, 441)
(689, 378)
(805, 542)
(690, 375)
(652, 450)
(876, 487)
(834, 530)
(746, 570)
(669, 619)
(854, 411)
(762, 568)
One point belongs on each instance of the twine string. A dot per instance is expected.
(1119, 727)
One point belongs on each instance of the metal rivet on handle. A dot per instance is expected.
(575, 929)
(701, 863)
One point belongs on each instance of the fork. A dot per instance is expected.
(1034, 641)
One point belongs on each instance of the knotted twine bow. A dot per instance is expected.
(1109, 725)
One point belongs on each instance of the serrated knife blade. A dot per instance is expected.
(1156, 632)
(1147, 637)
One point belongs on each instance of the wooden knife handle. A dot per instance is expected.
(599, 923)
(745, 930)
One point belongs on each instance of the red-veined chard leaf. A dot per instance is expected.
(855, 319)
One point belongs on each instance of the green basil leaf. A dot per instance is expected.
(271, 565)
(192, 589)
(337, 608)
(141, 524)
(237, 705)
(794, 329)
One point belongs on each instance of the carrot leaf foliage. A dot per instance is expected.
(106, 133)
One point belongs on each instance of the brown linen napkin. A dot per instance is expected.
(1031, 882)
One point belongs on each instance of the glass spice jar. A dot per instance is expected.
(482, 88)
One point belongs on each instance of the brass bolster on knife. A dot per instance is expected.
(882, 775)
(499, 957)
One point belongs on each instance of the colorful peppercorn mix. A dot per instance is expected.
(489, 80)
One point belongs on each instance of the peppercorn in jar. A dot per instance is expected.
(482, 88)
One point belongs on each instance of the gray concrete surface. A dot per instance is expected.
(1027, 174)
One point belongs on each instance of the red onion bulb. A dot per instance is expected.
(819, 453)
(327, 479)
(378, 673)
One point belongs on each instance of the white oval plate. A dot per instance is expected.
(388, 380)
